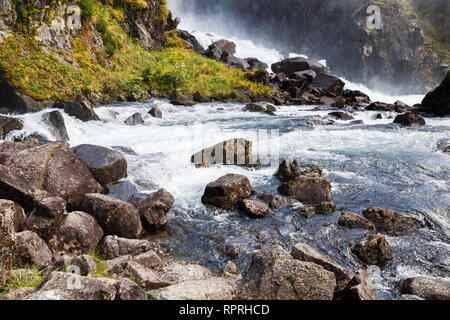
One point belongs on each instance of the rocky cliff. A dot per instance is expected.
(409, 53)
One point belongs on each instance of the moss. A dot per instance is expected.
(174, 40)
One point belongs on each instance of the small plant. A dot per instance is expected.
(87, 9)
(26, 277)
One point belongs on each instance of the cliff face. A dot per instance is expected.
(407, 54)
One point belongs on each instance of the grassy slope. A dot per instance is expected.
(42, 75)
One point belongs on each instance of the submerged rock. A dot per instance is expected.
(373, 249)
(55, 122)
(7, 240)
(341, 116)
(227, 191)
(391, 222)
(277, 202)
(153, 209)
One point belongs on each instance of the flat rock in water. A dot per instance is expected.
(353, 220)
(410, 119)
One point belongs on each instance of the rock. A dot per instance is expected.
(129, 290)
(78, 233)
(410, 119)
(408, 297)
(149, 259)
(134, 120)
(192, 42)
(341, 116)
(69, 286)
(16, 294)
(47, 216)
(307, 189)
(19, 218)
(200, 98)
(427, 288)
(315, 172)
(32, 250)
(320, 208)
(277, 202)
(217, 49)
(86, 265)
(156, 113)
(233, 251)
(373, 249)
(16, 187)
(9, 124)
(253, 107)
(304, 252)
(209, 289)
(62, 262)
(227, 191)
(231, 152)
(125, 150)
(292, 65)
(181, 99)
(7, 240)
(328, 83)
(235, 62)
(81, 109)
(153, 209)
(288, 171)
(254, 209)
(359, 288)
(255, 64)
(275, 275)
(437, 102)
(123, 190)
(55, 123)
(116, 217)
(391, 222)
(113, 247)
(353, 220)
(231, 271)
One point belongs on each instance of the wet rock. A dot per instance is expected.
(69, 286)
(181, 99)
(134, 120)
(253, 107)
(227, 191)
(9, 124)
(233, 251)
(16, 187)
(156, 113)
(328, 83)
(113, 247)
(320, 208)
(315, 172)
(306, 189)
(123, 190)
(106, 165)
(16, 294)
(128, 290)
(410, 119)
(125, 150)
(231, 271)
(192, 42)
(288, 171)
(86, 265)
(78, 233)
(81, 109)
(408, 297)
(116, 217)
(217, 49)
(304, 252)
(153, 209)
(353, 220)
(437, 102)
(19, 218)
(235, 62)
(55, 123)
(391, 222)
(359, 288)
(341, 116)
(427, 288)
(231, 152)
(275, 275)
(292, 65)
(254, 209)
(255, 64)
(277, 202)
(200, 98)
(209, 289)
(32, 250)
(373, 249)
(7, 240)
(47, 216)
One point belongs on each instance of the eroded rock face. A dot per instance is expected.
(116, 217)
(69, 286)
(353, 220)
(373, 249)
(209, 289)
(153, 209)
(227, 191)
(275, 275)
(78, 233)
(360, 287)
(32, 250)
(106, 165)
(306, 189)
(427, 288)
(7, 239)
(304, 252)
(113, 247)
(391, 222)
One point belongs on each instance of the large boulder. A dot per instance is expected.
(227, 191)
(81, 109)
(391, 222)
(69, 286)
(328, 83)
(106, 165)
(55, 123)
(153, 209)
(46, 217)
(78, 233)
(8, 124)
(113, 247)
(410, 119)
(292, 65)
(437, 102)
(19, 218)
(115, 216)
(209, 289)
(16, 187)
(32, 250)
(307, 189)
(275, 275)
(219, 48)
(231, 152)
(7, 240)
(304, 252)
(353, 220)
(427, 288)
(373, 249)
(359, 288)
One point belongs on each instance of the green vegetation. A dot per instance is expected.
(26, 277)
(87, 9)
(102, 265)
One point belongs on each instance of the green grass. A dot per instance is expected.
(30, 278)
(102, 265)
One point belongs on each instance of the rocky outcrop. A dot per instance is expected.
(427, 288)
(153, 209)
(227, 191)
(391, 222)
(116, 217)
(373, 249)
(32, 250)
(7, 240)
(437, 102)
